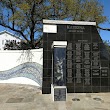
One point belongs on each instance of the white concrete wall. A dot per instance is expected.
(20, 80)
(13, 58)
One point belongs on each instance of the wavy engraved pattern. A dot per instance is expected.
(29, 70)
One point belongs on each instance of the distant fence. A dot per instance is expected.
(22, 63)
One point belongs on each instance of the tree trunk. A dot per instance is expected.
(32, 41)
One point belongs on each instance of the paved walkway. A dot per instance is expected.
(26, 97)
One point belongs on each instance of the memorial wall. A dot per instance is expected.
(87, 59)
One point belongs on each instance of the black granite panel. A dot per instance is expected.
(95, 46)
(46, 84)
(69, 80)
(60, 36)
(86, 37)
(78, 65)
(47, 79)
(95, 64)
(87, 89)
(95, 37)
(79, 89)
(87, 59)
(95, 73)
(78, 37)
(87, 62)
(79, 81)
(104, 63)
(104, 89)
(51, 37)
(94, 30)
(78, 29)
(86, 46)
(61, 28)
(70, 90)
(96, 82)
(87, 81)
(47, 71)
(45, 36)
(45, 43)
(105, 72)
(86, 73)
(78, 73)
(49, 55)
(96, 89)
(45, 64)
(69, 55)
(45, 55)
(69, 63)
(69, 37)
(104, 81)
(69, 72)
(86, 56)
(78, 46)
(73, 44)
(49, 48)
(72, 84)
(49, 64)
(104, 53)
(46, 90)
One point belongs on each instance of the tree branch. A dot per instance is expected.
(32, 27)
(106, 29)
(12, 9)
(13, 29)
(40, 1)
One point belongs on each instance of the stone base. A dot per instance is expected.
(59, 93)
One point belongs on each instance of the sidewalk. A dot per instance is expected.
(27, 97)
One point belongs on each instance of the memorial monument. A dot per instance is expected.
(81, 64)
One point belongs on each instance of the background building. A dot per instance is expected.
(6, 37)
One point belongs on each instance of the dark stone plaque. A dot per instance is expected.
(75, 29)
(69, 47)
(69, 55)
(95, 64)
(60, 94)
(78, 46)
(69, 63)
(69, 71)
(95, 72)
(87, 75)
(95, 46)
(69, 80)
(104, 73)
(87, 46)
(86, 54)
